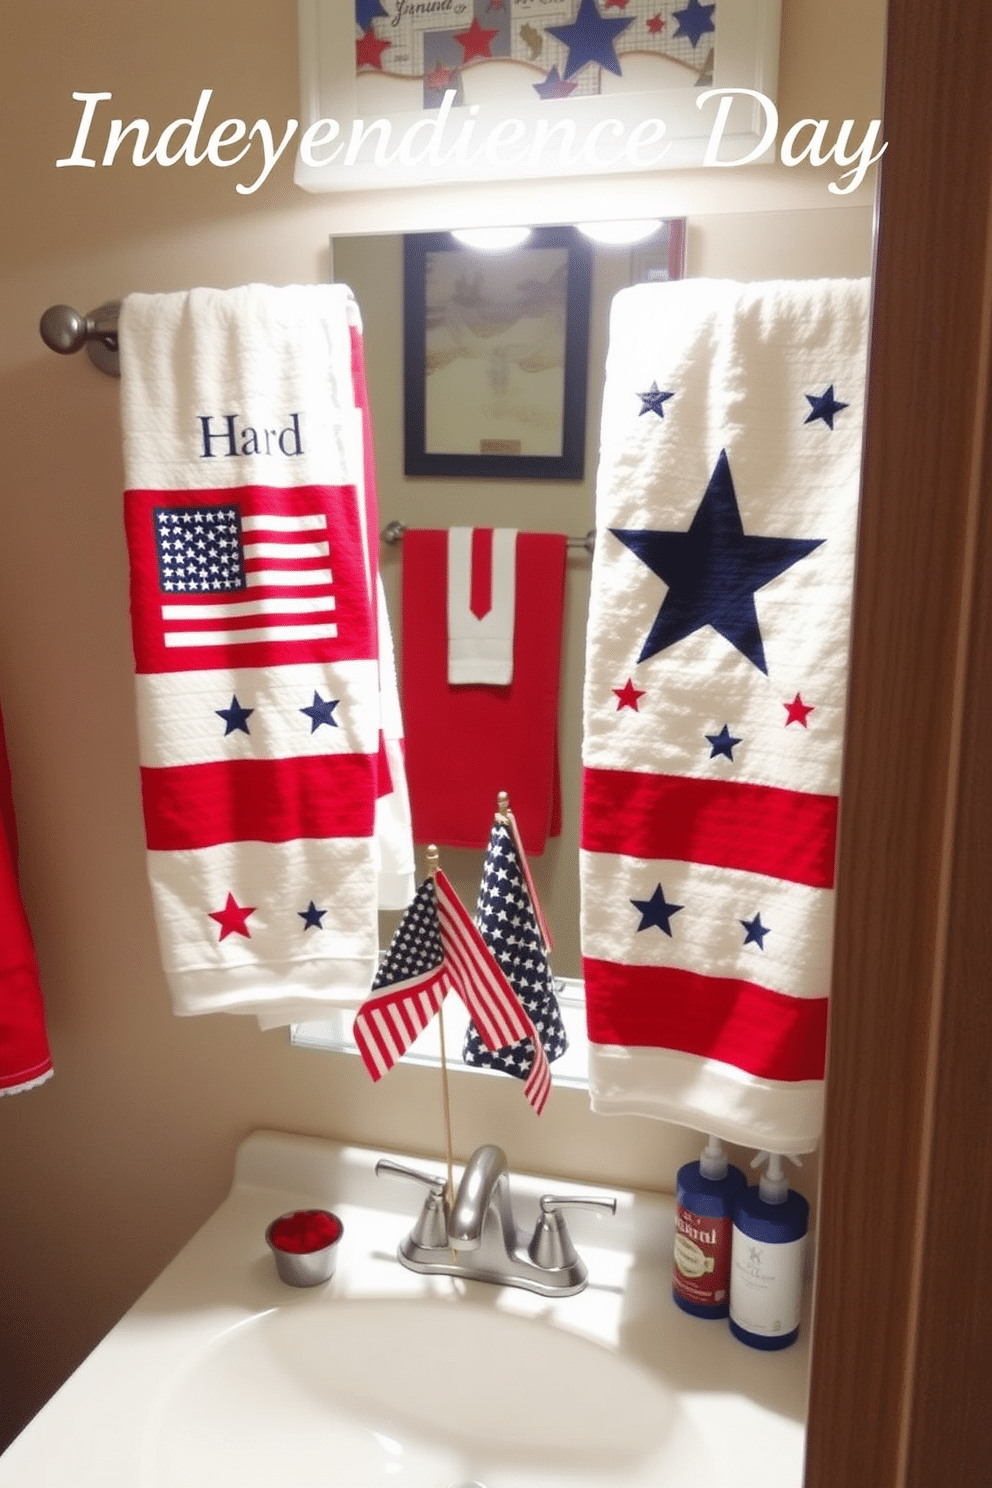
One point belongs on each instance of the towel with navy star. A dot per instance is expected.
(716, 667)
(508, 924)
(274, 797)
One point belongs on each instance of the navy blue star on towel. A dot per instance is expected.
(235, 717)
(823, 406)
(653, 400)
(312, 916)
(722, 743)
(321, 711)
(713, 571)
(590, 38)
(656, 911)
(756, 932)
(694, 21)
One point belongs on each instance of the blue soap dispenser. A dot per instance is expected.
(769, 1248)
(706, 1195)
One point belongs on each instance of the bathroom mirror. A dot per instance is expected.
(756, 245)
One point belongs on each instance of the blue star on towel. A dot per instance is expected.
(756, 932)
(722, 743)
(823, 406)
(235, 717)
(656, 911)
(713, 570)
(590, 38)
(321, 711)
(366, 12)
(312, 916)
(652, 401)
(694, 21)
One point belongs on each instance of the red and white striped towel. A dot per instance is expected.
(250, 519)
(714, 700)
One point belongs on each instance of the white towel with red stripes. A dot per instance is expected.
(727, 501)
(269, 732)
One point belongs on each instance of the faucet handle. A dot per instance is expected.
(551, 1246)
(431, 1229)
(435, 1184)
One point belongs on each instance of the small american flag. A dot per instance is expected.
(268, 575)
(437, 949)
(509, 920)
(412, 983)
(492, 1003)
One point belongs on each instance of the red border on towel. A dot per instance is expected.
(785, 834)
(767, 1034)
(258, 800)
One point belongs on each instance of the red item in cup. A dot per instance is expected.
(305, 1231)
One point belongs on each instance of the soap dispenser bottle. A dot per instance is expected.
(706, 1195)
(769, 1247)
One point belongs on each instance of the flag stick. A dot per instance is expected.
(433, 863)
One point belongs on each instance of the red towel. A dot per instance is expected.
(25, 1059)
(464, 744)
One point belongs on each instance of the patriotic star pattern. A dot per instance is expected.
(569, 44)
(508, 924)
(714, 701)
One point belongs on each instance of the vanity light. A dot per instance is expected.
(492, 239)
(633, 231)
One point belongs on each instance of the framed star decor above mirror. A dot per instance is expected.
(398, 92)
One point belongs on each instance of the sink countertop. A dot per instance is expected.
(748, 1405)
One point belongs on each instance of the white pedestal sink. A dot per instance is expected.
(222, 1375)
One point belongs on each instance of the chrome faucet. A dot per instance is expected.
(477, 1236)
(485, 1187)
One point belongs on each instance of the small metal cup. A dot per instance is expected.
(305, 1268)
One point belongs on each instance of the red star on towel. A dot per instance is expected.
(476, 41)
(797, 711)
(628, 695)
(369, 50)
(655, 23)
(233, 918)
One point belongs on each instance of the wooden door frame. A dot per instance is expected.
(901, 1380)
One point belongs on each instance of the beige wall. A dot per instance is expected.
(110, 1166)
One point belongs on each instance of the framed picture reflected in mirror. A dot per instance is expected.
(496, 346)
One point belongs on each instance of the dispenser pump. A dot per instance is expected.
(767, 1258)
(713, 1160)
(707, 1193)
(772, 1185)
